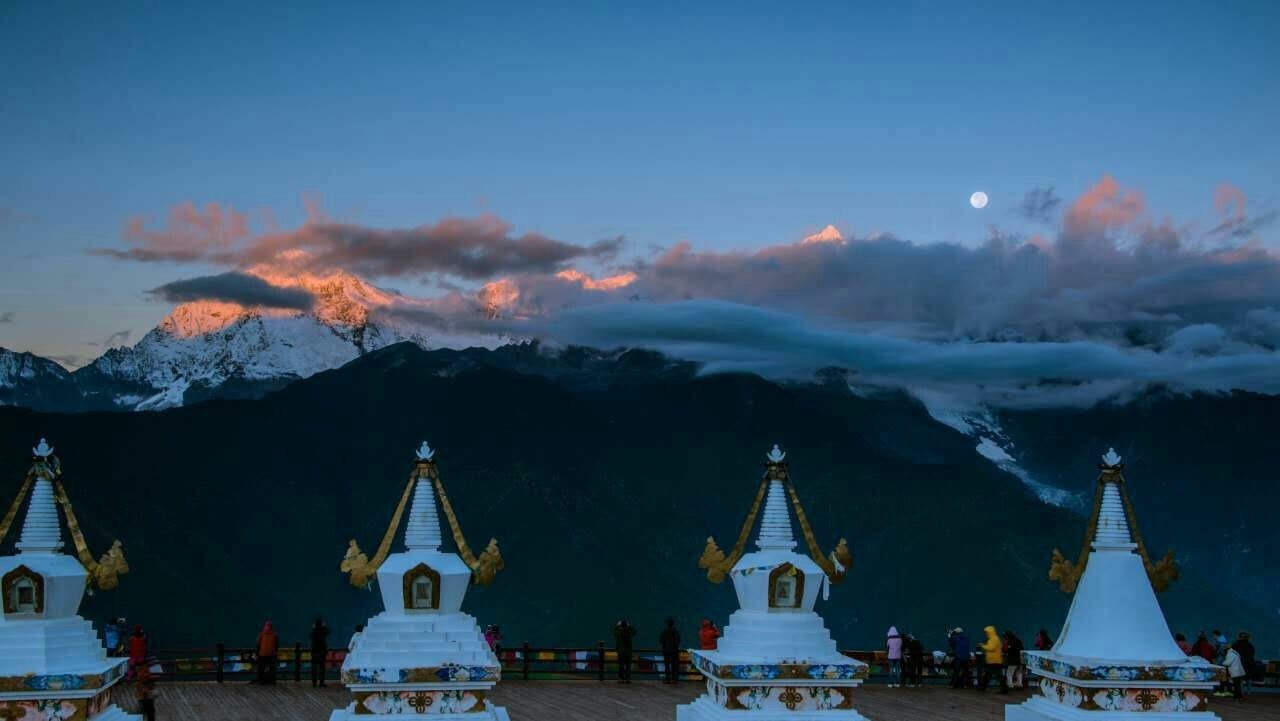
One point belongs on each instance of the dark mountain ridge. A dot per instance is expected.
(601, 485)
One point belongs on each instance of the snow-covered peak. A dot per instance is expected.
(199, 317)
(829, 234)
(16, 368)
(207, 343)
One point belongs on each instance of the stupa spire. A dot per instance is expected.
(423, 532)
(1113, 530)
(40, 531)
(775, 524)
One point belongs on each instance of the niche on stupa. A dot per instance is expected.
(786, 587)
(23, 591)
(421, 588)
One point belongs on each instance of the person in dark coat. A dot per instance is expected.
(669, 640)
(915, 661)
(145, 690)
(1248, 657)
(962, 653)
(622, 635)
(319, 652)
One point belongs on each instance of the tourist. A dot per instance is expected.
(622, 635)
(145, 689)
(1235, 669)
(1203, 648)
(493, 637)
(268, 645)
(1248, 658)
(708, 635)
(111, 637)
(1220, 644)
(993, 662)
(669, 641)
(893, 643)
(137, 649)
(915, 661)
(1015, 672)
(962, 657)
(122, 631)
(1181, 640)
(319, 652)
(1043, 642)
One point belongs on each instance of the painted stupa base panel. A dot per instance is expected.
(438, 704)
(772, 703)
(92, 708)
(1096, 689)
(778, 689)
(1040, 708)
(830, 668)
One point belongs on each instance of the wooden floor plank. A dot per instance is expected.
(598, 701)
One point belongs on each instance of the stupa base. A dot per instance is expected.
(488, 713)
(1039, 708)
(705, 708)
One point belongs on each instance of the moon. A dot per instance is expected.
(978, 200)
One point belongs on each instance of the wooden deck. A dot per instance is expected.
(596, 701)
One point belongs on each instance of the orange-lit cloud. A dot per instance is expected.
(609, 282)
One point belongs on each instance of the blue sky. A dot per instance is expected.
(727, 125)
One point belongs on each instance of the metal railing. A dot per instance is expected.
(223, 663)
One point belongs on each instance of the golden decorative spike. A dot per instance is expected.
(1162, 573)
(488, 564)
(104, 575)
(357, 564)
(7, 522)
(483, 569)
(839, 561)
(713, 559)
(110, 567)
(1066, 573)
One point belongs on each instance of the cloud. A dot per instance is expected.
(6, 317)
(190, 236)
(1234, 222)
(68, 361)
(1105, 300)
(736, 337)
(470, 248)
(1039, 204)
(233, 287)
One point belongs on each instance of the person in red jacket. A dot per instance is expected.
(1043, 642)
(1203, 647)
(708, 635)
(268, 645)
(137, 649)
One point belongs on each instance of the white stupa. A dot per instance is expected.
(422, 655)
(52, 664)
(1115, 657)
(776, 660)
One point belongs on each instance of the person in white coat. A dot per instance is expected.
(1235, 669)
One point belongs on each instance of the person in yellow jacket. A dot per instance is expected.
(993, 664)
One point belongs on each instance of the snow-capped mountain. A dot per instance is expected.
(994, 444)
(29, 380)
(204, 345)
